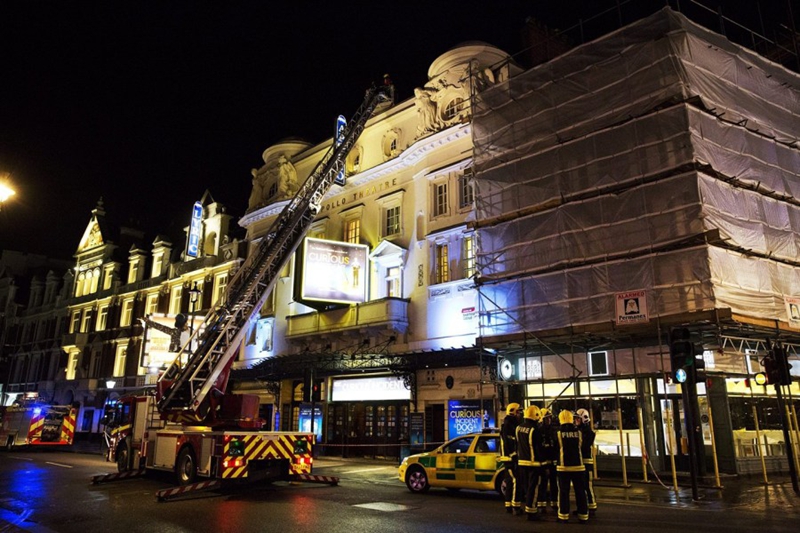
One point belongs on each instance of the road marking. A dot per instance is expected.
(58, 464)
(373, 469)
(20, 458)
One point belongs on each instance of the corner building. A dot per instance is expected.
(644, 181)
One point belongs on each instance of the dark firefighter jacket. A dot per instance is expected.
(508, 436)
(569, 446)
(529, 445)
(587, 441)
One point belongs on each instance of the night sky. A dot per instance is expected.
(148, 104)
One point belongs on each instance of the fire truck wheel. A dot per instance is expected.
(185, 468)
(123, 457)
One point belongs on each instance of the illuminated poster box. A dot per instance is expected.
(466, 416)
(159, 349)
(375, 388)
(334, 272)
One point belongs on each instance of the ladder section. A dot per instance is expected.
(189, 392)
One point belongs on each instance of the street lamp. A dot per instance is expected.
(194, 294)
(6, 192)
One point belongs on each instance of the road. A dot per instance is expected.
(46, 492)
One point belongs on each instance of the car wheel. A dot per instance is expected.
(501, 483)
(123, 457)
(185, 467)
(417, 480)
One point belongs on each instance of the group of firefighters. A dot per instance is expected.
(545, 459)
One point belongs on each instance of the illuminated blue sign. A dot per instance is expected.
(341, 124)
(195, 229)
(466, 416)
(680, 375)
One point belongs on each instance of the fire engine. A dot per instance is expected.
(31, 422)
(190, 424)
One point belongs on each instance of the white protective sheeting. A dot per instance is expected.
(594, 171)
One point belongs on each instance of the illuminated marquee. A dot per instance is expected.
(195, 229)
(334, 271)
(377, 388)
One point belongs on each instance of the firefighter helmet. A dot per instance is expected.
(533, 412)
(565, 417)
(512, 408)
(544, 412)
(583, 414)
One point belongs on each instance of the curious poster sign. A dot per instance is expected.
(334, 271)
(631, 307)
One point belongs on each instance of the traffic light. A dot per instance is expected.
(771, 368)
(685, 356)
(681, 354)
(783, 365)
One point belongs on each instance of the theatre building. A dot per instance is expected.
(372, 326)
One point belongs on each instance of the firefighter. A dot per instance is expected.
(508, 440)
(584, 423)
(570, 468)
(529, 451)
(548, 484)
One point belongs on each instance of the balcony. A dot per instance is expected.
(389, 313)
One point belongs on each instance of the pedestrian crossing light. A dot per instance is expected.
(684, 356)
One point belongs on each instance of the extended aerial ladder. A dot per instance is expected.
(191, 391)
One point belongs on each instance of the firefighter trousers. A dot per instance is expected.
(565, 479)
(588, 481)
(529, 478)
(512, 491)
(548, 486)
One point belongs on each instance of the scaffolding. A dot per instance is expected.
(661, 158)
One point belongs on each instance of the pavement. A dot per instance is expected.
(740, 493)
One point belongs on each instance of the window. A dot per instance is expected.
(352, 230)
(72, 365)
(158, 262)
(319, 229)
(127, 313)
(391, 221)
(452, 109)
(598, 364)
(87, 319)
(119, 361)
(109, 276)
(80, 283)
(394, 286)
(753, 361)
(74, 326)
(440, 205)
(458, 446)
(175, 300)
(466, 191)
(152, 304)
(102, 318)
(220, 286)
(134, 270)
(442, 274)
(273, 190)
(468, 256)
